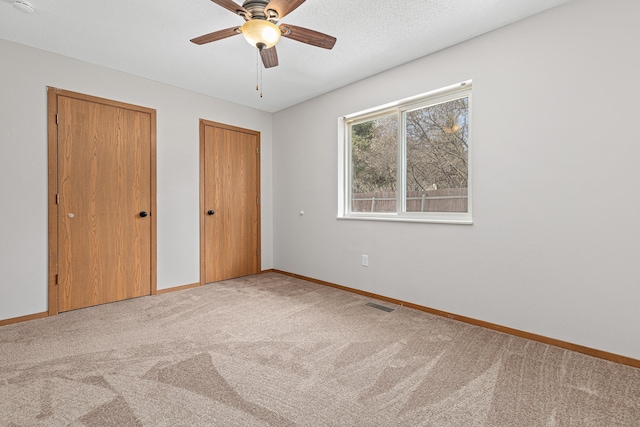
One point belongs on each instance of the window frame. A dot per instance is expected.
(401, 108)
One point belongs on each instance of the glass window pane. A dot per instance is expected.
(437, 157)
(374, 165)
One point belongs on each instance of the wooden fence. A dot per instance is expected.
(441, 200)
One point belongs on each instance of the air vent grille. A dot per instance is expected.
(380, 307)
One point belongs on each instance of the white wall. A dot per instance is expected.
(555, 245)
(24, 75)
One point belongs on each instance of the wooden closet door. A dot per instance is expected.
(231, 187)
(104, 208)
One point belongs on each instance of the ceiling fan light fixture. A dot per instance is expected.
(261, 33)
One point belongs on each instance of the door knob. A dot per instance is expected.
(210, 212)
(143, 214)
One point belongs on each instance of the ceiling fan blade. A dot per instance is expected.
(283, 7)
(269, 57)
(308, 36)
(216, 35)
(230, 5)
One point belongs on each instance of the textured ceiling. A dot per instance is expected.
(150, 38)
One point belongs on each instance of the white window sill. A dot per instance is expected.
(395, 218)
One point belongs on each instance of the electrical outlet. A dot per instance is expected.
(365, 260)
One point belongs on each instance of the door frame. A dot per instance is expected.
(52, 137)
(204, 123)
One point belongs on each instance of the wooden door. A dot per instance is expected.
(105, 201)
(230, 190)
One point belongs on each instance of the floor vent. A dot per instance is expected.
(380, 307)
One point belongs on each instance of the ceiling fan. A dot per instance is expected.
(261, 29)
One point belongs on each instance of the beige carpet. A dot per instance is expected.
(274, 350)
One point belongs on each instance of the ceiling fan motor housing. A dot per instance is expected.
(257, 10)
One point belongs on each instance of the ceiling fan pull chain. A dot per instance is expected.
(257, 69)
(258, 73)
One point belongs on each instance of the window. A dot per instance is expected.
(410, 160)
